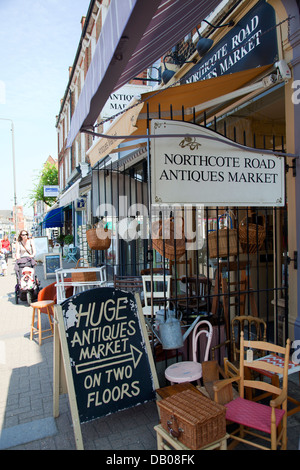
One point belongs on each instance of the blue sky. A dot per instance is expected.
(38, 43)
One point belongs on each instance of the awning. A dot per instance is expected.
(134, 35)
(54, 218)
(70, 195)
(197, 95)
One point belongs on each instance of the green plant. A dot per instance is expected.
(48, 176)
(68, 239)
(60, 239)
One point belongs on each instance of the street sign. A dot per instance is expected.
(106, 354)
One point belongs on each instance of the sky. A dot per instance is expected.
(38, 43)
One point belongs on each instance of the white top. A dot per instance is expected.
(25, 249)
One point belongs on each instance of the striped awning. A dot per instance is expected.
(134, 35)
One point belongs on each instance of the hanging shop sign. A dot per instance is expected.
(80, 204)
(51, 191)
(199, 166)
(101, 338)
(251, 43)
(122, 98)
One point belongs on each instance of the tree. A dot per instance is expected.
(47, 177)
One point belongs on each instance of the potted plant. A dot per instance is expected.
(68, 239)
(60, 239)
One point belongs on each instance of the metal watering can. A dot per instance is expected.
(169, 331)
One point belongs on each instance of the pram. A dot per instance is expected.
(28, 285)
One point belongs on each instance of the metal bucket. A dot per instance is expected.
(169, 330)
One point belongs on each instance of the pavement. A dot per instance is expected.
(26, 393)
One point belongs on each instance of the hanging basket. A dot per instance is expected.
(98, 238)
(82, 275)
(168, 235)
(252, 236)
(223, 242)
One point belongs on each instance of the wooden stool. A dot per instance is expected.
(163, 437)
(37, 306)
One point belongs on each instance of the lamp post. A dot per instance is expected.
(14, 168)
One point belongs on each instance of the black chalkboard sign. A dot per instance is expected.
(108, 352)
(52, 261)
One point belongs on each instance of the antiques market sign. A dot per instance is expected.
(100, 335)
(252, 42)
(210, 169)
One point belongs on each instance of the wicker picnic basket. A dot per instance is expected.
(252, 236)
(98, 238)
(166, 236)
(82, 275)
(194, 420)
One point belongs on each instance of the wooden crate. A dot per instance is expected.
(194, 420)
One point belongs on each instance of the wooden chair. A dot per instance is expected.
(128, 283)
(184, 264)
(161, 270)
(157, 290)
(196, 297)
(190, 371)
(267, 419)
(211, 373)
(256, 329)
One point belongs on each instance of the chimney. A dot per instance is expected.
(82, 22)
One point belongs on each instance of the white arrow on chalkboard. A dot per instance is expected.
(134, 355)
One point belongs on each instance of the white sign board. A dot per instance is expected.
(51, 191)
(121, 99)
(41, 246)
(210, 169)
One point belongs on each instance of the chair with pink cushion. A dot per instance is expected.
(190, 371)
(270, 419)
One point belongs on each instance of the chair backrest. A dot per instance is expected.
(49, 292)
(182, 263)
(262, 364)
(161, 270)
(256, 330)
(196, 286)
(158, 287)
(128, 283)
(202, 329)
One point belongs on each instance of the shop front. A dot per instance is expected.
(235, 213)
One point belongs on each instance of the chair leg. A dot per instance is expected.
(32, 323)
(38, 330)
(39, 326)
(273, 431)
(284, 433)
(50, 319)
